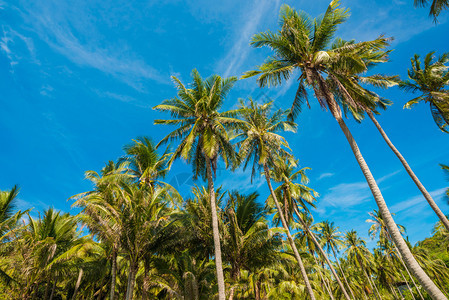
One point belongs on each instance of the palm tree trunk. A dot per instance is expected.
(343, 273)
(408, 286)
(216, 233)
(113, 273)
(409, 260)
(131, 280)
(369, 279)
(78, 282)
(145, 279)
(406, 269)
(312, 236)
(290, 238)
(53, 289)
(324, 282)
(415, 179)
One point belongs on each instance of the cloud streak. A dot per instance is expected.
(233, 60)
(55, 30)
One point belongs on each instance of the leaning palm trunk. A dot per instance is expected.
(408, 286)
(216, 233)
(410, 172)
(406, 269)
(323, 254)
(343, 273)
(324, 282)
(113, 273)
(78, 282)
(290, 238)
(407, 255)
(133, 266)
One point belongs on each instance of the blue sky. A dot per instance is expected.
(78, 81)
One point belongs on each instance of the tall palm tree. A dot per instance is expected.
(436, 7)
(303, 43)
(357, 251)
(260, 144)
(249, 243)
(431, 80)
(296, 197)
(332, 239)
(378, 228)
(101, 209)
(351, 91)
(146, 223)
(148, 166)
(203, 137)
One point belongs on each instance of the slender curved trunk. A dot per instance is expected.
(78, 282)
(216, 233)
(133, 266)
(324, 282)
(410, 275)
(53, 289)
(312, 236)
(371, 284)
(410, 172)
(113, 273)
(407, 255)
(409, 260)
(408, 286)
(289, 236)
(343, 273)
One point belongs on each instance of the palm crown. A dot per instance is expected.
(305, 43)
(202, 128)
(431, 80)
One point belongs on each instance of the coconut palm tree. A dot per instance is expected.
(146, 227)
(101, 209)
(260, 144)
(356, 250)
(296, 197)
(436, 7)
(203, 137)
(249, 243)
(332, 240)
(303, 44)
(148, 166)
(431, 80)
(351, 91)
(378, 228)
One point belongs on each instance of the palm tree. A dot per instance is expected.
(146, 227)
(148, 166)
(436, 7)
(101, 209)
(332, 239)
(431, 80)
(378, 228)
(357, 251)
(351, 91)
(249, 243)
(260, 144)
(296, 196)
(303, 43)
(204, 137)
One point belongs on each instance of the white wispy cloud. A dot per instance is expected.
(325, 175)
(55, 28)
(12, 40)
(347, 194)
(417, 202)
(237, 55)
